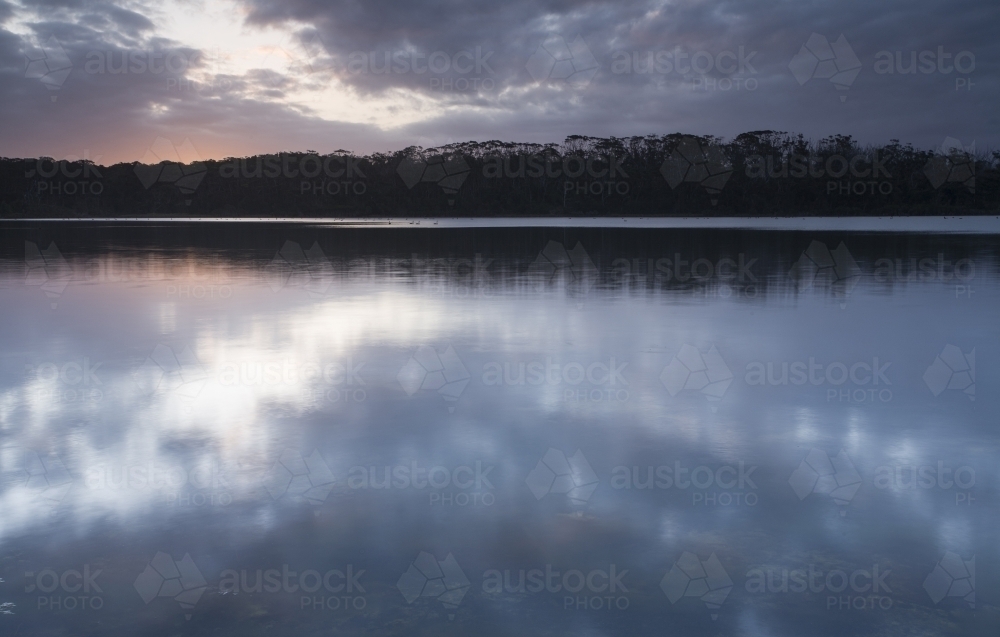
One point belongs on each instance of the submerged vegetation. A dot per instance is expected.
(756, 173)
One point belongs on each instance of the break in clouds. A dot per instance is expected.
(98, 79)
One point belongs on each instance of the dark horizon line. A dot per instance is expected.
(769, 135)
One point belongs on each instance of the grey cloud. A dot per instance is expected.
(878, 106)
(515, 105)
(116, 116)
(123, 21)
(6, 11)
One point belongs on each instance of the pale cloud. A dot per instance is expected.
(251, 76)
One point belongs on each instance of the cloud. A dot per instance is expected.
(323, 80)
(118, 115)
(626, 104)
(6, 11)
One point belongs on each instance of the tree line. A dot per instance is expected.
(756, 173)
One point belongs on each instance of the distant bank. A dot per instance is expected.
(976, 224)
(757, 174)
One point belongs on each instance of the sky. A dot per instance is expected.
(223, 78)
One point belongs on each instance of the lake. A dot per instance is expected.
(304, 429)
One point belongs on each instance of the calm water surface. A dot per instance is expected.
(295, 430)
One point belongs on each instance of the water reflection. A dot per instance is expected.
(513, 431)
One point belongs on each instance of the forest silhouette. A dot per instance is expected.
(760, 173)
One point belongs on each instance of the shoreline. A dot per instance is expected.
(972, 224)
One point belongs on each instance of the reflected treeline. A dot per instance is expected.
(479, 263)
(756, 173)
